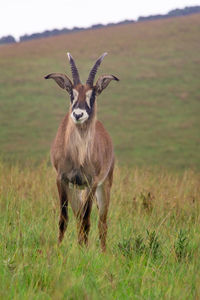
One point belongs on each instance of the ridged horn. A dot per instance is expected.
(94, 70)
(75, 74)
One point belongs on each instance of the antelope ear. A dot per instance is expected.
(103, 82)
(62, 80)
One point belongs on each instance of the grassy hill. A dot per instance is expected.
(153, 245)
(152, 114)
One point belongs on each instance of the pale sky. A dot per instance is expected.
(18, 17)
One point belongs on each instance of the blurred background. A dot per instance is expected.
(152, 114)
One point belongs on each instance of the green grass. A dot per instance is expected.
(152, 114)
(152, 247)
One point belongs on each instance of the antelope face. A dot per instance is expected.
(82, 103)
(82, 96)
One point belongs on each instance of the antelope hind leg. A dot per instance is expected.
(83, 217)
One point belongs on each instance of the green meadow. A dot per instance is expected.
(153, 245)
(152, 114)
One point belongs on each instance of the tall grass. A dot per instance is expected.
(152, 247)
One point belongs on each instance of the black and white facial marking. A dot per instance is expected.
(82, 105)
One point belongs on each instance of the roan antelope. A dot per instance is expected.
(82, 154)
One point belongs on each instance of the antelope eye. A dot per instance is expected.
(88, 97)
(74, 96)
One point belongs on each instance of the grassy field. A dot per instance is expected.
(153, 245)
(152, 113)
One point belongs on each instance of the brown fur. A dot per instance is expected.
(83, 157)
(87, 148)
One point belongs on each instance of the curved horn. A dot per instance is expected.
(94, 70)
(74, 70)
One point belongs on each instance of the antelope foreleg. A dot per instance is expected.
(63, 221)
(103, 199)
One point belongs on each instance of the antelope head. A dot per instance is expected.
(82, 96)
